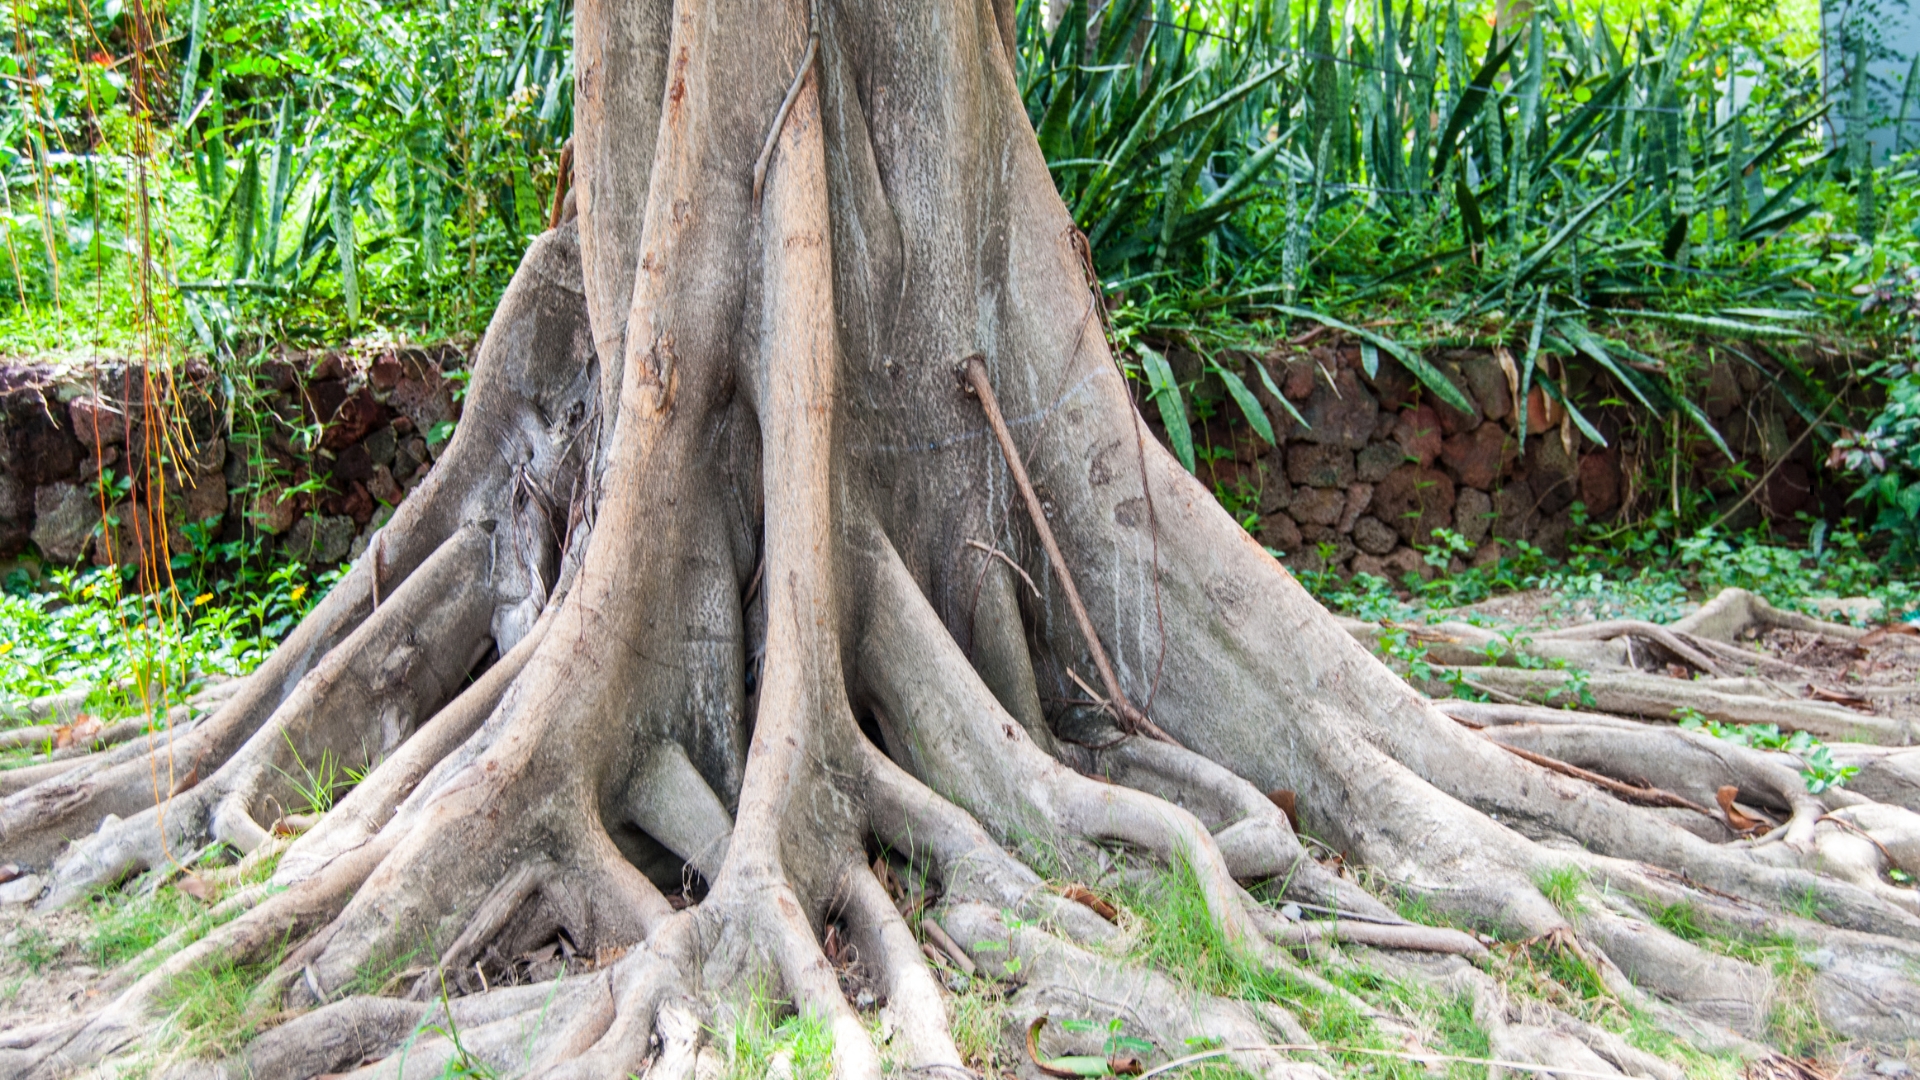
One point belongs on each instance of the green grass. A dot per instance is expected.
(1178, 937)
(759, 1033)
(126, 926)
(91, 628)
(1794, 1022)
(1562, 886)
(34, 948)
(209, 1006)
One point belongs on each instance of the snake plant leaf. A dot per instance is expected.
(1571, 229)
(1472, 99)
(1165, 391)
(1583, 340)
(1428, 375)
(1243, 397)
(1716, 323)
(1573, 411)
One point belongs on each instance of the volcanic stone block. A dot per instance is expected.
(1318, 506)
(1374, 463)
(1338, 414)
(1476, 457)
(1415, 501)
(1419, 434)
(1473, 514)
(1320, 465)
(1488, 383)
(63, 519)
(1279, 532)
(1373, 536)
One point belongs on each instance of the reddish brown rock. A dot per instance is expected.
(424, 398)
(1452, 420)
(1418, 433)
(1415, 501)
(1279, 532)
(1404, 561)
(383, 488)
(355, 417)
(1600, 482)
(1338, 413)
(96, 422)
(1366, 562)
(1479, 456)
(1318, 506)
(1392, 385)
(1359, 498)
(270, 513)
(1543, 413)
(384, 373)
(355, 503)
(1298, 385)
(1321, 466)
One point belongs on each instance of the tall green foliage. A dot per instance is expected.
(296, 160)
(1555, 179)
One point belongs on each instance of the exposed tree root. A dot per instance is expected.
(721, 592)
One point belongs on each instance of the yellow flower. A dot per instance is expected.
(5, 647)
(298, 592)
(202, 599)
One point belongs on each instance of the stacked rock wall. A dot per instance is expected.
(309, 455)
(1380, 464)
(317, 448)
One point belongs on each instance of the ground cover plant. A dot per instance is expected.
(801, 628)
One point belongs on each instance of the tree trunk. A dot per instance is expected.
(726, 579)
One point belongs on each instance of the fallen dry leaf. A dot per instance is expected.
(78, 733)
(197, 887)
(1880, 634)
(1738, 821)
(1839, 697)
(1780, 1067)
(1082, 894)
(1288, 804)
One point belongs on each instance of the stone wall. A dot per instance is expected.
(1380, 463)
(1377, 468)
(312, 456)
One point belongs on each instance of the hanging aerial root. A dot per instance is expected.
(973, 372)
